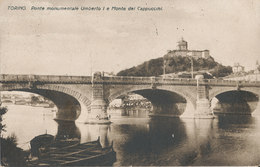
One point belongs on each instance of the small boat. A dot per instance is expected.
(40, 141)
(75, 154)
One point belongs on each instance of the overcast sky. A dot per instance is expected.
(71, 42)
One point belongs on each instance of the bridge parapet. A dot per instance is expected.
(220, 82)
(123, 80)
(181, 81)
(147, 80)
(44, 78)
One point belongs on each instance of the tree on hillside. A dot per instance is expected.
(222, 71)
(176, 64)
(153, 67)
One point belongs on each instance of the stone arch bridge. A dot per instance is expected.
(85, 98)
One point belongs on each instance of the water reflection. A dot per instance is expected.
(67, 130)
(71, 130)
(129, 112)
(93, 132)
(136, 112)
(167, 132)
(233, 142)
(104, 136)
(229, 121)
(165, 141)
(139, 140)
(200, 141)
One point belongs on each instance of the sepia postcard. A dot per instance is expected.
(130, 82)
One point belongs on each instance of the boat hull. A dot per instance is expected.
(84, 154)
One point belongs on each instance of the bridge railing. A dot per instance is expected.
(11, 77)
(120, 79)
(127, 79)
(43, 78)
(148, 80)
(183, 81)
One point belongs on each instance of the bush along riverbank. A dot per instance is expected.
(11, 155)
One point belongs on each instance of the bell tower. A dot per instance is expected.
(182, 45)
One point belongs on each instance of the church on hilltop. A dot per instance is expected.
(182, 50)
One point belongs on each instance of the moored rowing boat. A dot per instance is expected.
(84, 154)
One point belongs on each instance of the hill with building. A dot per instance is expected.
(177, 65)
(180, 63)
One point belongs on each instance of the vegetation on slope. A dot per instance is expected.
(11, 155)
(177, 64)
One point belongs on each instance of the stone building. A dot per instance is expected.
(237, 68)
(182, 50)
(240, 75)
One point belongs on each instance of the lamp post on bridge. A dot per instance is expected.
(256, 71)
(192, 68)
(191, 59)
(164, 68)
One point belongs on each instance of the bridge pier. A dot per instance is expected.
(203, 109)
(98, 107)
(98, 113)
(95, 114)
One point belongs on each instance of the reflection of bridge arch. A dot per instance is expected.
(67, 130)
(68, 101)
(164, 100)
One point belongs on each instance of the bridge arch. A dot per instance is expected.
(168, 101)
(218, 90)
(233, 100)
(69, 102)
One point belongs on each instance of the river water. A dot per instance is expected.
(140, 140)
